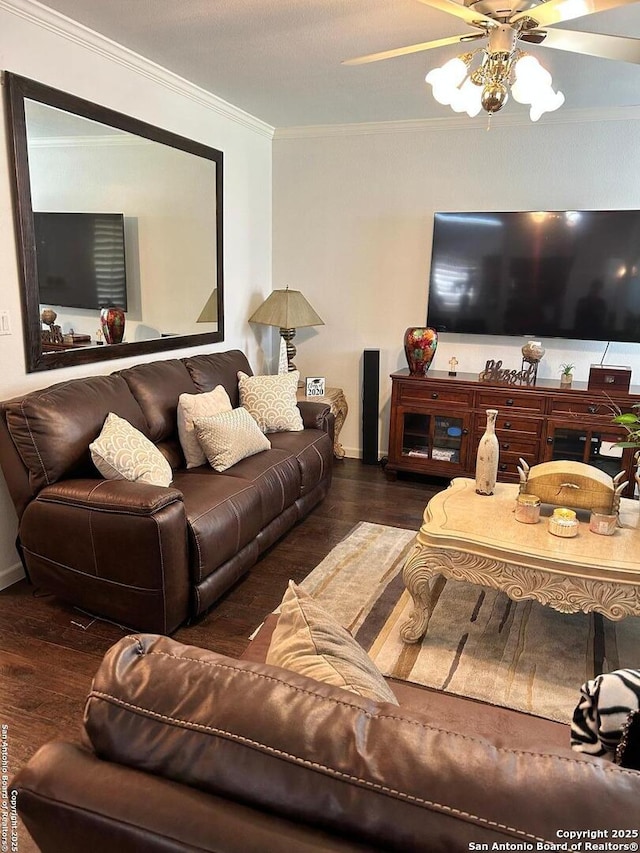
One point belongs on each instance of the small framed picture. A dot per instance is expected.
(314, 386)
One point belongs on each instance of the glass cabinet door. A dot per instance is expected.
(434, 437)
(594, 446)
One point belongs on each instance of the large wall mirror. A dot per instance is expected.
(111, 212)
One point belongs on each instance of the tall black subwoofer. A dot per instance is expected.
(370, 405)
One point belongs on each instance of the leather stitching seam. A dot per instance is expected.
(305, 762)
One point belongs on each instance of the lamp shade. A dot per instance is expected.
(209, 313)
(287, 309)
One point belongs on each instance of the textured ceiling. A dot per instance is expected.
(280, 60)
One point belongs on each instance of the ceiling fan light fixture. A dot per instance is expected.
(468, 98)
(547, 102)
(489, 85)
(454, 71)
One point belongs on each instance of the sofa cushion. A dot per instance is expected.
(308, 640)
(319, 754)
(157, 387)
(229, 437)
(224, 514)
(53, 428)
(121, 452)
(276, 476)
(191, 406)
(219, 368)
(272, 400)
(313, 450)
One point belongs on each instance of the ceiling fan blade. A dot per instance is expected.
(413, 48)
(555, 11)
(594, 44)
(465, 12)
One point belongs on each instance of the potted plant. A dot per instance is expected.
(631, 422)
(566, 375)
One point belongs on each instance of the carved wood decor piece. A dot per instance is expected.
(495, 373)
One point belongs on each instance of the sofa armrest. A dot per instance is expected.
(111, 495)
(114, 548)
(317, 416)
(71, 800)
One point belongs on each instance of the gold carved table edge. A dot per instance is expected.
(565, 588)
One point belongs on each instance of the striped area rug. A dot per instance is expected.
(479, 643)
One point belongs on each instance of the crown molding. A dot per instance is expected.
(457, 122)
(48, 19)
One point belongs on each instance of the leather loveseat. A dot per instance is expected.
(184, 750)
(150, 557)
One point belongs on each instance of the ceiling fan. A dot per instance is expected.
(503, 64)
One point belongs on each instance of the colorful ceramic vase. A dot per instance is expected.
(487, 458)
(112, 322)
(420, 347)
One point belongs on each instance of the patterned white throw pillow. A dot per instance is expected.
(192, 406)
(229, 437)
(121, 452)
(271, 401)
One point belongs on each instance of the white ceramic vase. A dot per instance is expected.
(487, 458)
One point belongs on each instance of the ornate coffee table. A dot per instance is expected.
(475, 538)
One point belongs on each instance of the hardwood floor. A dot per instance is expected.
(49, 651)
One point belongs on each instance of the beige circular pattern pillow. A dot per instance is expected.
(121, 452)
(272, 401)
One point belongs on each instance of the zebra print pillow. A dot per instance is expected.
(605, 708)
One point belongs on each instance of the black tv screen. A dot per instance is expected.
(81, 259)
(565, 274)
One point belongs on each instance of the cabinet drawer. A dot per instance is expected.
(414, 393)
(508, 464)
(520, 445)
(507, 425)
(504, 399)
(593, 407)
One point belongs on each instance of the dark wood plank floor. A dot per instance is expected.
(49, 652)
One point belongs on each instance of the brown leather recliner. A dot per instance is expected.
(186, 750)
(145, 556)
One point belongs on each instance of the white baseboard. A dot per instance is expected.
(11, 575)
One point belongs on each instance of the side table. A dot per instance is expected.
(337, 402)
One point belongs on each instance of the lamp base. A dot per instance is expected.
(288, 335)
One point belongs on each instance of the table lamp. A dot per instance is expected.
(289, 310)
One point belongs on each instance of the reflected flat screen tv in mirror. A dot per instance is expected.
(566, 274)
(81, 259)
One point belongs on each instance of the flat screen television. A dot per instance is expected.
(81, 259)
(566, 274)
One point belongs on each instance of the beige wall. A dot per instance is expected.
(45, 47)
(353, 218)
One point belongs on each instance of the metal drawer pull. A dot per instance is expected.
(503, 467)
(435, 395)
(509, 402)
(592, 409)
(506, 446)
(507, 425)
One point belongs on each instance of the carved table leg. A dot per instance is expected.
(340, 410)
(418, 578)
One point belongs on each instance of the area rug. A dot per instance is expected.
(479, 643)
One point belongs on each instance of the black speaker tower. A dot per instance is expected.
(370, 405)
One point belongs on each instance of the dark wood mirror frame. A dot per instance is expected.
(17, 90)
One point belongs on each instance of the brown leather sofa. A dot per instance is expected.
(145, 556)
(187, 750)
